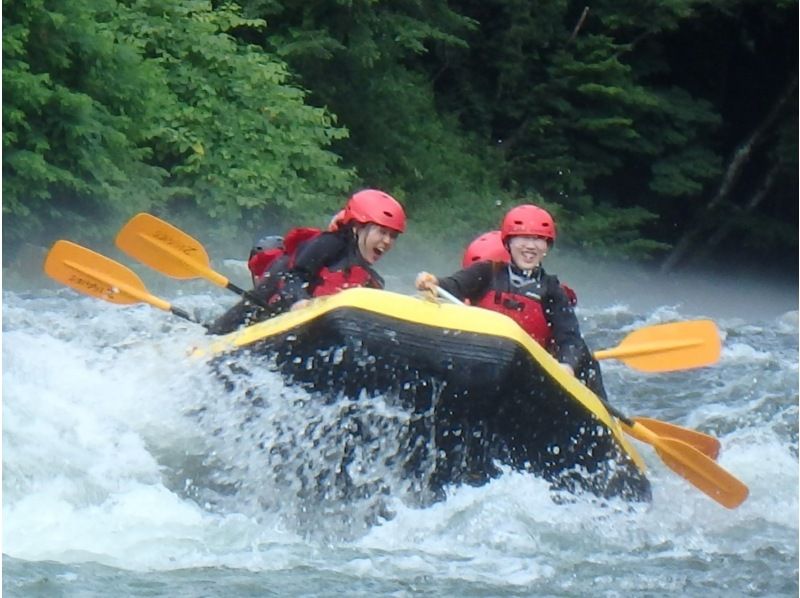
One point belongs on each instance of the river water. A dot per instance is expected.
(127, 471)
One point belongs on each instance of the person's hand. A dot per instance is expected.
(426, 281)
(300, 304)
(568, 368)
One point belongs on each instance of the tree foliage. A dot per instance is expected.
(359, 59)
(114, 106)
(624, 118)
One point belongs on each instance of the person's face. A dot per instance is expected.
(375, 240)
(527, 252)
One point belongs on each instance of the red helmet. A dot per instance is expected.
(371, 205)
(486, 248)
(530, 221)
(336, 221)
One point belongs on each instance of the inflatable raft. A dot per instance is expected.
(468, 388)
(472, 380)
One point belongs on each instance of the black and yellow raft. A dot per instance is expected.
(487, 394)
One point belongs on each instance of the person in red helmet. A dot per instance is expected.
(323, 263)
(520, 288)
(487, 247)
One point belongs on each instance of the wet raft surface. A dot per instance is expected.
(481, 400)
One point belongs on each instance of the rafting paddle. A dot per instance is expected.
(171, 251)
(98, 276)
(686, 345)
(706, 444)
(689, 453)
(668, 347)
(659, 348)
(700, 349)
(692, 465)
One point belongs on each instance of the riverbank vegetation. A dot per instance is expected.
(665, 130)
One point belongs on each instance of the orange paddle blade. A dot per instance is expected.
(668, 347)
(166, 249)
(689, 463)
(706, 444)
(96, 275)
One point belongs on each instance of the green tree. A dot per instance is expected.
(616, 112)
(73, 103)
(111, 107)
(362, 60)
(236, 135)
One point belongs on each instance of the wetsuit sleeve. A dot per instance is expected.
(246, 312)
(470, 283)
(312, 257)
(568, 344)
(242, 314)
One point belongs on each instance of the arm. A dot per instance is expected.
(568, 344)
(246, 312)
(570, 347)
(243, 313)
(470, 283)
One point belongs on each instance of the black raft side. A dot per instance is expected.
(483, 399)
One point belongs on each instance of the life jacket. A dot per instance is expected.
(262, 261)
(332, 280)
(522, 304)
(572, 296)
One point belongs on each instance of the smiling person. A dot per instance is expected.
(324, 263)
(521, 289)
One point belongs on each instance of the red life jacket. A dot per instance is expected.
(342, 274)
(333, 281)
(522, 304)
(525, 311)
(572, 296)
(261, 262)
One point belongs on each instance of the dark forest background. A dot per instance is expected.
(664, 130)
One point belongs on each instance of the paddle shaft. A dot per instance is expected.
(185, 315)
(447, 295)
(249, 295)
(617, 413)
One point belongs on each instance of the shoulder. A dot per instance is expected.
(477, 274)
(560, 292)
(326, 242)
(319, 251)
(549, 280)
(484, 270)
